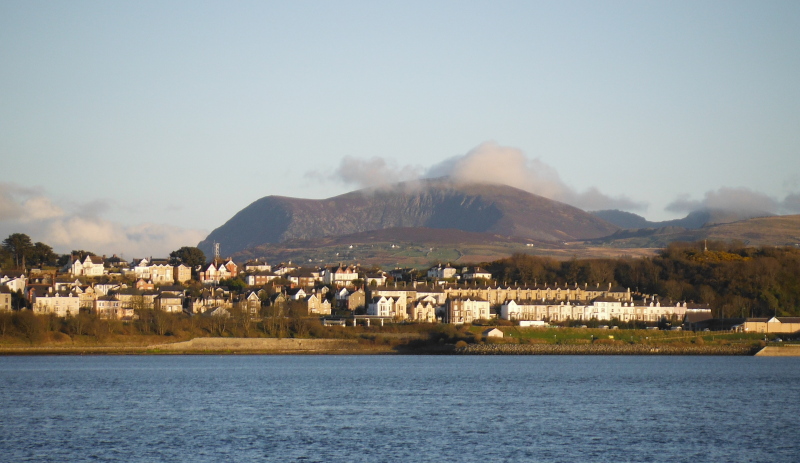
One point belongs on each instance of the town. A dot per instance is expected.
(113, 289)
(187, 284)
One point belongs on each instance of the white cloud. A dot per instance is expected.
(488, 162)
(369, 173)
(29, 211)
(736, 199)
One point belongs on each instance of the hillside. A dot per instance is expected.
(437, 204)
(694, 220)
(762, 231)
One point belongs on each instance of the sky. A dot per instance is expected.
(135, 128)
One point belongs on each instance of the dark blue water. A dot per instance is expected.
(399, 408)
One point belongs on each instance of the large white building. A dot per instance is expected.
(602, 309)
(91, 266)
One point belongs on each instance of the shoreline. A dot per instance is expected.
(299, 346)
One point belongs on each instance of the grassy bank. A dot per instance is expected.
(399, 339)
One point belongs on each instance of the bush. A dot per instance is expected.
(461, 344)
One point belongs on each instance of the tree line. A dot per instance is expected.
(734, 280)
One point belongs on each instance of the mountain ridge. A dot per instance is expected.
(433, 203)
(694, 220)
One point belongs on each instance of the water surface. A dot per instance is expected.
(399, 408)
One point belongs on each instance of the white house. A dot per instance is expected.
(341, 275)
(13, 281)
(91, 266)
(382, 306)
(442, 272)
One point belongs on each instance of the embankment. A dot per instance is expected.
(267, 346)
(779, 351)
(603, 349)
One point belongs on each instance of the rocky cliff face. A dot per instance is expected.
(438, 203)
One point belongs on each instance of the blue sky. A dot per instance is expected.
(138, 127)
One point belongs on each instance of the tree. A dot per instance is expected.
(189, 256)
(42, 254)
(234, 284)
(19, 245)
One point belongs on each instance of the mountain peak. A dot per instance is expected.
(441, 203)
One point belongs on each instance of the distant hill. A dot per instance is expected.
(436, 203)
(762, 231)
(693, 220)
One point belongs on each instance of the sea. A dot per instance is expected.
(399, 408)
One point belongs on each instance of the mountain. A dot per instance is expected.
(433, 203)
(696, 219)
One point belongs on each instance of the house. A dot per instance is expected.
(260, 278)
(5, 299)
(375, 279)
(210, 298)
(423, 310)
(284, 269)
(211, 273)
(493, 333)
(402, 273)
(383, 306)
(109, 307)
(441, 272)
(135, 299)
(475, 273)
(459, 311)
(403, 297)
(101, 289)
(351, 299)
(250, 303)
(162, 273)
(304, 277)
(14, 281)
(168, 302)
(181, 273)
(256, 266)
(342, 275)
(696, 318)
(59, 303)
(318, 305)
(90, 266)
(141, 269)
(296, 294)
(771, 325)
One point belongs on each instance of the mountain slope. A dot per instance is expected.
(761, 231)
(694, 220)
(437, 203)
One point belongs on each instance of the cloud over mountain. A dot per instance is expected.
(737, 199)
(486, 163)
(30, 211)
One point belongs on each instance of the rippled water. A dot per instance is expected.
(399, 408)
